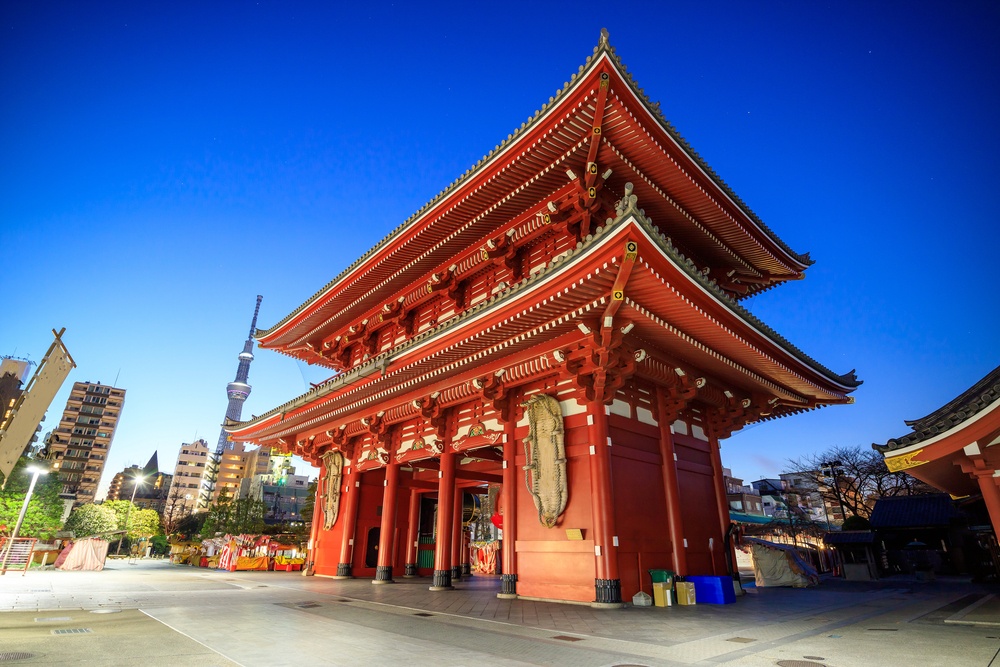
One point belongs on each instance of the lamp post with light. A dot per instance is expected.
(35, 472)
(136, 481)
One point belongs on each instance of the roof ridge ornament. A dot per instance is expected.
(628, 202)
(604, 40)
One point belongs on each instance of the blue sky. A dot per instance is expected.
(164, 163)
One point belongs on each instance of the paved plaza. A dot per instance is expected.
(153, 613)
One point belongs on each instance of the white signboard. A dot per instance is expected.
(31, 406)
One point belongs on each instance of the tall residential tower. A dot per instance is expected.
(79, 446)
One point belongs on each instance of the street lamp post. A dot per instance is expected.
(136, 481)
(35, 472)
(834, 465)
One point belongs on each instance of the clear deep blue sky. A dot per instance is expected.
(161, 164)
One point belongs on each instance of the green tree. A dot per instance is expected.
(190, 526)
(161, 547)
(235, 517)
(143, 523)
(88, 520)
(45, 510)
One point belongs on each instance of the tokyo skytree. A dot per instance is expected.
(238, 390)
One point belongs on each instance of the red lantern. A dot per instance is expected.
(497, 520)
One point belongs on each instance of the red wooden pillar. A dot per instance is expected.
(722, 507)
(317, 521)
(413, 535)
(991, 496)
(508, 557)
(671, 487)
(387, 529)
(350, 521)
(456, 535)
(608, 583)
(445, 516)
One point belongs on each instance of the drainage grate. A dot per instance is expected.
(308, 605)
(814, 657)
(799, 663)
(568, 639)
(741, 640)
(343, 600)
(882, 629)
(73, 631)
(11, 656)
(105, 611)
(46, 619)
(422, 613)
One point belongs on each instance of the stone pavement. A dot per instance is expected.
(162, 614)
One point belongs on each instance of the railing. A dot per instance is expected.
(16, 554)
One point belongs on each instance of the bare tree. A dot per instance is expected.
(174, 511)
(853, 478)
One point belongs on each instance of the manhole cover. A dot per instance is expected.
(568, 639)
(799, 663)
(105, 611)
(72, 631)
(741, 640)
(11, 656)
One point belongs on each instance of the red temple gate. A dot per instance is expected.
(534, 327)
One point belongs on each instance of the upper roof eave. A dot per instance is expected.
(847, 382)
(969, 405)
(602, 52)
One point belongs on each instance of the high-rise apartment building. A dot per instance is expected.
(79, 446)
(192, 475)
(182, 499)
(237, 464)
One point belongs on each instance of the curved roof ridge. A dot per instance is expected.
(966, 405)
(603, 47)
(656, 112)
(991, 379)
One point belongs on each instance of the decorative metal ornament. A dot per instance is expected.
(333, 462)
(545, 451)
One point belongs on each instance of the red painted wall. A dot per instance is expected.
(640, 505)
(700, 509)
(550, 565)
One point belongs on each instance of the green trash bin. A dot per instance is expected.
(662, 577)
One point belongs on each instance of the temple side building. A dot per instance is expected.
(955, 448)
(561, 324)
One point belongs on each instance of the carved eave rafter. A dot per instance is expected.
(524, 169)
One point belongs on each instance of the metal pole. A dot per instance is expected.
(20, 519)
